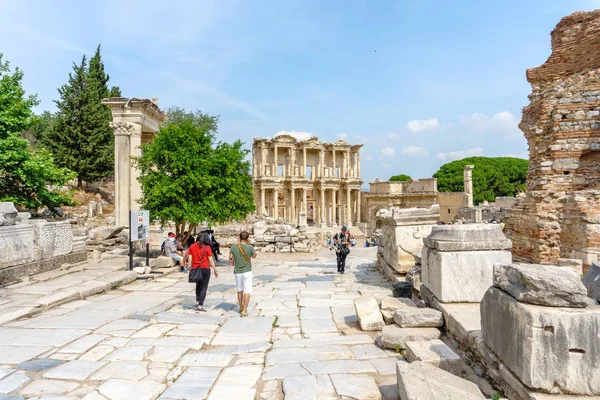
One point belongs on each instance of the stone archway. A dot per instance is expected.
(135, 121)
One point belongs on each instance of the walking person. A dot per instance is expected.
(200, 256)
(241, 257)
(343, 240)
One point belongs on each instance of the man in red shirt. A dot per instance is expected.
(200, 255)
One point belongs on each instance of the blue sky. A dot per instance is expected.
(419, 82)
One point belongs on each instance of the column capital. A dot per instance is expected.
(126, 128)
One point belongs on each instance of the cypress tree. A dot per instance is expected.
(81, 138)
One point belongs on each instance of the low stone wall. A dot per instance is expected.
(482, 213)
(14, 273)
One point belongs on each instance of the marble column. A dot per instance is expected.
(358, 210)
(322, 163)
(294, 214)
(262, 202)
(275, 203)
(303, 173)
(333, 158)
(275, 160)
(468, 185)
(348, 207)
(128, 138)
(358, 164)
(304, 201)
(322, 210)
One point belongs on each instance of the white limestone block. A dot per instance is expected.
(394, 303)
(368, 313)
(16, 245)
(434, 352)
(394, 337)
(547, 348)
(423, 381)
(544, 285)
(460, 276)
(418, 318)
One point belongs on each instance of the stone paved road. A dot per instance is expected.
(143, 341)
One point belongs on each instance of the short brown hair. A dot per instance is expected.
(244, 235)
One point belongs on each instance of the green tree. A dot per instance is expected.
(41, 125)
(189, 178)
(492, 177)
(27, 177)
(81, 138)
(400, 178)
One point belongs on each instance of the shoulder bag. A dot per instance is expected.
(241, 249)
(195, 274)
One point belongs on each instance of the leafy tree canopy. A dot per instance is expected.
(189, 178)
(400, 178)
(499, 176)
(27, 177)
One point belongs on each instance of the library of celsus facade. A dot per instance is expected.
(317, 179)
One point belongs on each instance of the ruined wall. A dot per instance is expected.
(558, 216)
(450, 203)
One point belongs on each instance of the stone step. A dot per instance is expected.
(422, 381)
(434, 352)
(394, 337)
(418, 318)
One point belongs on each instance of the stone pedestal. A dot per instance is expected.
(457, 261)
(403, 233)
(52, 239)
(302, 221)
(16, 245)
(552, 349)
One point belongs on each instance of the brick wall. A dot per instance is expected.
(562, 128)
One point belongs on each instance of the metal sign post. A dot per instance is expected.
(139, 229)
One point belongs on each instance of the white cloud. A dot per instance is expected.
(393, 136)
(420, 125)
(297, 135)
(503, 124)
(414, 151)
(457, 155)
(342, 136)
(388, 152)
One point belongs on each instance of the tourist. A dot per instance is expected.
(342, 251)
(200, 256)
(190, 240)
(216, 246)
(170, 249)
(353, 241)
(502, 224)
(241, 256)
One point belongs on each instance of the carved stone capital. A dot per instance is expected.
(126, 128)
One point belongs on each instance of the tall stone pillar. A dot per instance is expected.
(323, 220)
(358, 210)
(262, 202)
(128, 138)
(333, 158)
(304, 202)
(358, 164)
(275, 203)
(322, 163)
(303, 173)
(468, 184)
(275, 160)
(348, 207)
(293, 213)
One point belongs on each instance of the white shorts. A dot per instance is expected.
(244, 282)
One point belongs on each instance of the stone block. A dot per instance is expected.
(394, 337)
(591, 281)
(394, 303)
(388, 316)
(470, 237)
(8, 213)
(436, 353)
(164, 262)
(544, 285)
(422, 381)
(575, 264)
(460, 276)
(105, 232)
(16, 245)
(369, 316)
(548, 348)
(412, 317)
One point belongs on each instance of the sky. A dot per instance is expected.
(419, 82)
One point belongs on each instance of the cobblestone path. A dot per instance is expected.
(144, 341)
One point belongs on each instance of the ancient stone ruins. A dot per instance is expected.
(437, 310)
